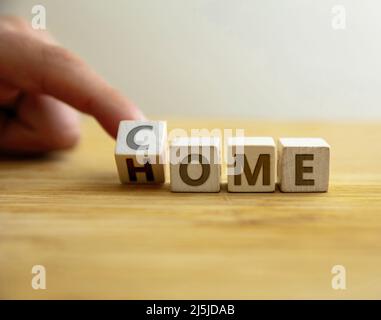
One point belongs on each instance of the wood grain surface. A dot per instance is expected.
(99, 239)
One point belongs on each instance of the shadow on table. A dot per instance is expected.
(15, 158)
(141, 187)
(110, 184)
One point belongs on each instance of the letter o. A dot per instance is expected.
(184, 170)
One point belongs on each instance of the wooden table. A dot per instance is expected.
(99, 239)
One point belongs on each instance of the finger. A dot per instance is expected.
(18, 24)
(8, 93)
(43, 124)
(49, 69)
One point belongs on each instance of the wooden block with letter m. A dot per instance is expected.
(251, 164)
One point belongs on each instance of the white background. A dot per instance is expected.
(277, 59)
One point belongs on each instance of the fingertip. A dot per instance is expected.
(138, 114)
(110, 122)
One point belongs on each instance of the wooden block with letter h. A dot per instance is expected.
(251, 164)
(140, 152)
(195, 164)
(303, 165)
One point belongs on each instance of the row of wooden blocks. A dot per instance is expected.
(256, 163)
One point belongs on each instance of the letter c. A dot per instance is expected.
(131, 138)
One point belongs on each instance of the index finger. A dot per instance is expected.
(39, 67)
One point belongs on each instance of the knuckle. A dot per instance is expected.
(54, 53)
(54, 59)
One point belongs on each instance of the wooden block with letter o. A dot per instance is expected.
(303, 164)
(140, 152)
(251, 164)
(195, 164)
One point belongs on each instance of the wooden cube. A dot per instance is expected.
(251, 164)
(303, 164)
(140, 152)
(195, 164)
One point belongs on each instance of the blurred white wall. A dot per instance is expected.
(260, 58)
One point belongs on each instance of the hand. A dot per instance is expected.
(40, 84)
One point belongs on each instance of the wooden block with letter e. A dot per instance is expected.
(140, 152)
(251, 164)
(195, 164)
(303, 164)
